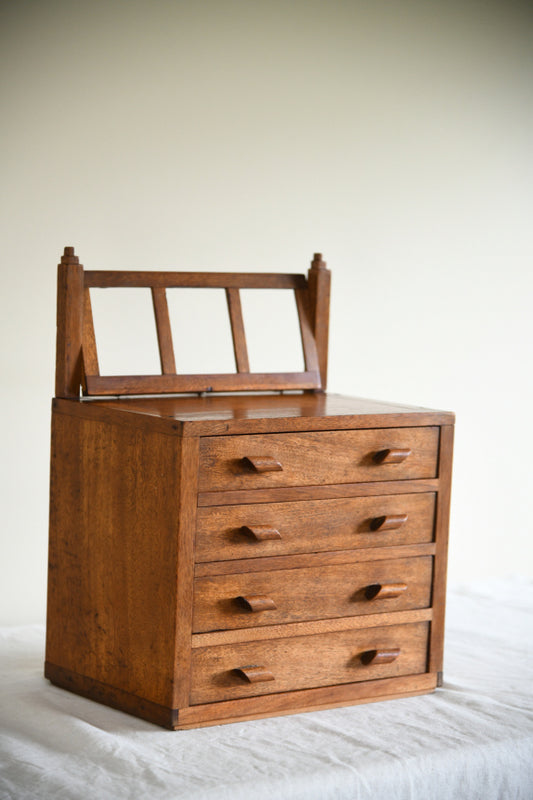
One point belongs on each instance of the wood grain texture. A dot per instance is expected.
(273, 705)
(305, 662)
(215, 382)
(326, 492)
(263, 464)
(217, 415)
(69, 333)
(270, 563)
(310, 593)
(87, 409)
(111, 696)
(246, 708)
(289, 629)
(184, 574)
(164, 331)
(324, 457)
(238, 335)
(312, 526)
(319, 283)
(112, 557)
(103, 279)
(90, 356)
(306, 332)
(441, 560)
(215, 558)
(74, 282)
(257, 533)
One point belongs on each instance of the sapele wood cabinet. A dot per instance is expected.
(224, 557)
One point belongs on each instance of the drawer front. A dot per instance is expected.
(313, 459)
(248, 600)
(271, 529)
(227, 672)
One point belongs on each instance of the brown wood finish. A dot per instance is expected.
(259, 533)
(240, 349)
(307, 661)
(246, 708)
(306, 332)
(231, 557)
(70, 319)
(164, 332)
(289, 629)
(76, 332)
(254, 674)
(262, 464)
(380, 656)
(323, 457)
(112, 558)
(312, 559)
(441, 561)
(269, 705)
(105, 279)
(374, 620)
(326, 492)
(183, 572)
(310, 593)
(171, 384)
(226, 532)
(90, 356)
(319, 282)
(220, 415)
(112, 696)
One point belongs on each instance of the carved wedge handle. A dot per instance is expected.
(254, 673)
(384, 591)
(391, 455)
(260, 533)
(388, 522)
(263, 463)
(384, 655)
(256, 602)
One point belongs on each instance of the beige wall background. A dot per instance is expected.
(395, 137)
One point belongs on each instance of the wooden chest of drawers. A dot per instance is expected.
(228, 557)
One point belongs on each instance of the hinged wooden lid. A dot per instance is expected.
(76, 353)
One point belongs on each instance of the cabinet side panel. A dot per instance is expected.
(442, 521)
(113, 555)
(188, 499)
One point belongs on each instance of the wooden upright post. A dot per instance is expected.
(319, 280)
(69, 325)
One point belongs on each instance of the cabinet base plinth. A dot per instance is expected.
(281, 704)
(160, 715)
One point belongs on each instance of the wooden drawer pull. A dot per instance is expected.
(263, 463)
(256, 602)
(254, 674)
(260, 533)
(384, 656)
(388, 522)
(392, 455)
(384, 591)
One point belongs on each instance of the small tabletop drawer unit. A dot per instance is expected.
(227, 547)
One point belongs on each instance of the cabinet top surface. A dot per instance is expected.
(233, 414)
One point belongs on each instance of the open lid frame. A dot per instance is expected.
(77, 368)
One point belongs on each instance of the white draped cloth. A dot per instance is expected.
(471, 739)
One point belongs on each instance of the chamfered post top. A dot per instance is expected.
(318, 262)
(69, 256)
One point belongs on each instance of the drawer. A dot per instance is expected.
(312, 459)
(248, 600)
(271, 529)
(227, 672)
